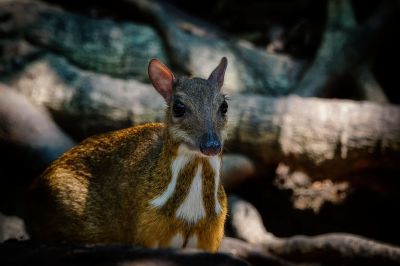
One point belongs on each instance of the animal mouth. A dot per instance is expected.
(200, 151)
(211, 151)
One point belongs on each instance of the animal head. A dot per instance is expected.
(196, 112)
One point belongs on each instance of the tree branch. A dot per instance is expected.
(337, 248)
(344, 46)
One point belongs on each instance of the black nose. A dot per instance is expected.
(210, 144)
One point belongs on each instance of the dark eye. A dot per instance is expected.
(224, 107)
(178, 108)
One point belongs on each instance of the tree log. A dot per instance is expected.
(338, 248)
(232, 252)
(326, 138)
(123, 49)
(329, 137)
(253, 253)
(31, 253)
(12, 227)
(235, 170)
(30, 128)
(251, 70)
(119, 49)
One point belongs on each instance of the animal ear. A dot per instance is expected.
(161, 78)
(217, 76)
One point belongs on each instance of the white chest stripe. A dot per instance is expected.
(215, 163)
(177, 241)
(192, 207)
(177, 165)
(192, 242)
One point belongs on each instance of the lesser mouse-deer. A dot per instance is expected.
(152, 185)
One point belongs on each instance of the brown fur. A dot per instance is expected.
(100, 191)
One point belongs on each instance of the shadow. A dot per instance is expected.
(364, 212)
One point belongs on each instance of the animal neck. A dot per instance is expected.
(192, 184)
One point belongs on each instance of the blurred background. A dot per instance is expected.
(314, 119)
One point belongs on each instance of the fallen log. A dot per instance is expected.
(123, 49)
(12, 227)
(33, 253)
(251, 70)
(102, 45)
(232, 252)
(236, 169)
(30, 128)
(333, 248)
(253, 253)
(328, 138)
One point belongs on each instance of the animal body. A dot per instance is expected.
(153, 185)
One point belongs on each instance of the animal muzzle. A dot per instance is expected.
(210, 144)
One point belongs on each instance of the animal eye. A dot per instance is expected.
(178, 109)
(223, 108)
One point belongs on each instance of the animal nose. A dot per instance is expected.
(210, 144)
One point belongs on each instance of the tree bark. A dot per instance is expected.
(193, 47)
(326, 138)
(250, 70)
(102, 45)
(12, 227)
(124, 49)
(253, 253)
(236, 169)
(329, 137)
